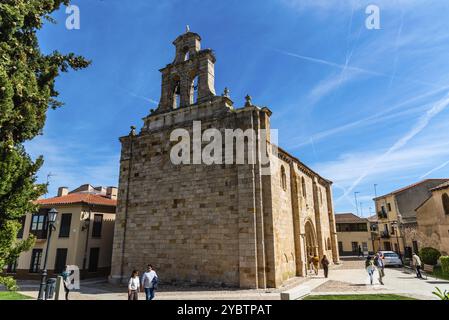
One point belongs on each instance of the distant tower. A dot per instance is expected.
(189, 79)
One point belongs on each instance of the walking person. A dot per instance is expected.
(378, 262)
(325, 264)
(370, 268)
(316, 263)
(134, 286)
(65, 274)
(417, 264)
(360, 252)
(310, 260)
(149, 281)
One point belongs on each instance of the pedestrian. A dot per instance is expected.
(134, 286)
(417, 264)
(378, 262)
(65, 274)
(360, 252)
(316, 263)
(325, 264)
(310, 261)
(370, 268)
(149, 282)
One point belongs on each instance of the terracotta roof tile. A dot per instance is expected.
(348, 218)
(79, 198)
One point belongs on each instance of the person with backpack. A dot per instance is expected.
(133, 286)
(378, 262)
(149, 282)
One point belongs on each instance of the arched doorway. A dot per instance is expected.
(311, 242)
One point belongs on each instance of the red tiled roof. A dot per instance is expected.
(348, 218)
(79, 198)
(409, 187)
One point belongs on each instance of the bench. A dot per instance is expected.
(428, 268)
(296, 293)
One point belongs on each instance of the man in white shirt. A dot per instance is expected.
(417, 264)
(147, 282)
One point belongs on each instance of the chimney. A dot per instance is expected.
(111, 192)
(63, 191)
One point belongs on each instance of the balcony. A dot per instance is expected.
(382, 215)
(385, 235)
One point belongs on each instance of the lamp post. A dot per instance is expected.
(51, 219)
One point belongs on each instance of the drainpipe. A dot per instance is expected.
(132, 134)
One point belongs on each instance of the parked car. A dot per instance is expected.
(391, 258)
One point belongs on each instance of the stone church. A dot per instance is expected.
(215, 224)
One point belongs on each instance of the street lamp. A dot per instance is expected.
(51, 219)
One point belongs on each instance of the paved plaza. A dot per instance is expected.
(348, 278)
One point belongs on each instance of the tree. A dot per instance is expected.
(27, 91)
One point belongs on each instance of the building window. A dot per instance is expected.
(93, 259)
(36, 257)
(355, 247)
(12, 267)
(364, 246)
(38, 225)
(22, 223)
(415, 246)
(60, 260)
(445, 199)
(283, 178)
(329, 247)
(389, 207)
(64, 229)
(96, 229)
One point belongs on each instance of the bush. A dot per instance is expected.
(445, 264)
(429, 255)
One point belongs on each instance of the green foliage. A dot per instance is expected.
(27, 91)
(445, 264)
(429, 255)
(442, 295)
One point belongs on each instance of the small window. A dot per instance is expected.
(283, 178)
(12, 267)
(389, 207)
(64, 229)
(96, 229)
(304, 191)
(445, 199)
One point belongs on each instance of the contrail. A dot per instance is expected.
(376, 117)
(421, 125)
(355, 69)
(434, 169)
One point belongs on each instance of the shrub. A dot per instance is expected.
(445, 264)
(429, 255)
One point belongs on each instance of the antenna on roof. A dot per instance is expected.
(187, 28)
(49, 175)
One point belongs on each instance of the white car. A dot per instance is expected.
(391, 258)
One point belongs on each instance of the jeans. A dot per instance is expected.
(418, 272)
(149, 293)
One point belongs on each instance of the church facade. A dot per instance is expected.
(224, 224)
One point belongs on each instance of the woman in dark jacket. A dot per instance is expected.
(325, 264)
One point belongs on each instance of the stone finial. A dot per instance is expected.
(133, 131)
(248, 102)
(187, 28)
(226, 92)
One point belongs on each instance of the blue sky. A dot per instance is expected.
(359, 106)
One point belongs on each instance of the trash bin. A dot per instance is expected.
(50, 288)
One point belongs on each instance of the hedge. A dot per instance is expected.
(429, 255)
(445, 264)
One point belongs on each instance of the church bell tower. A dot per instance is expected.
(189, 79)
